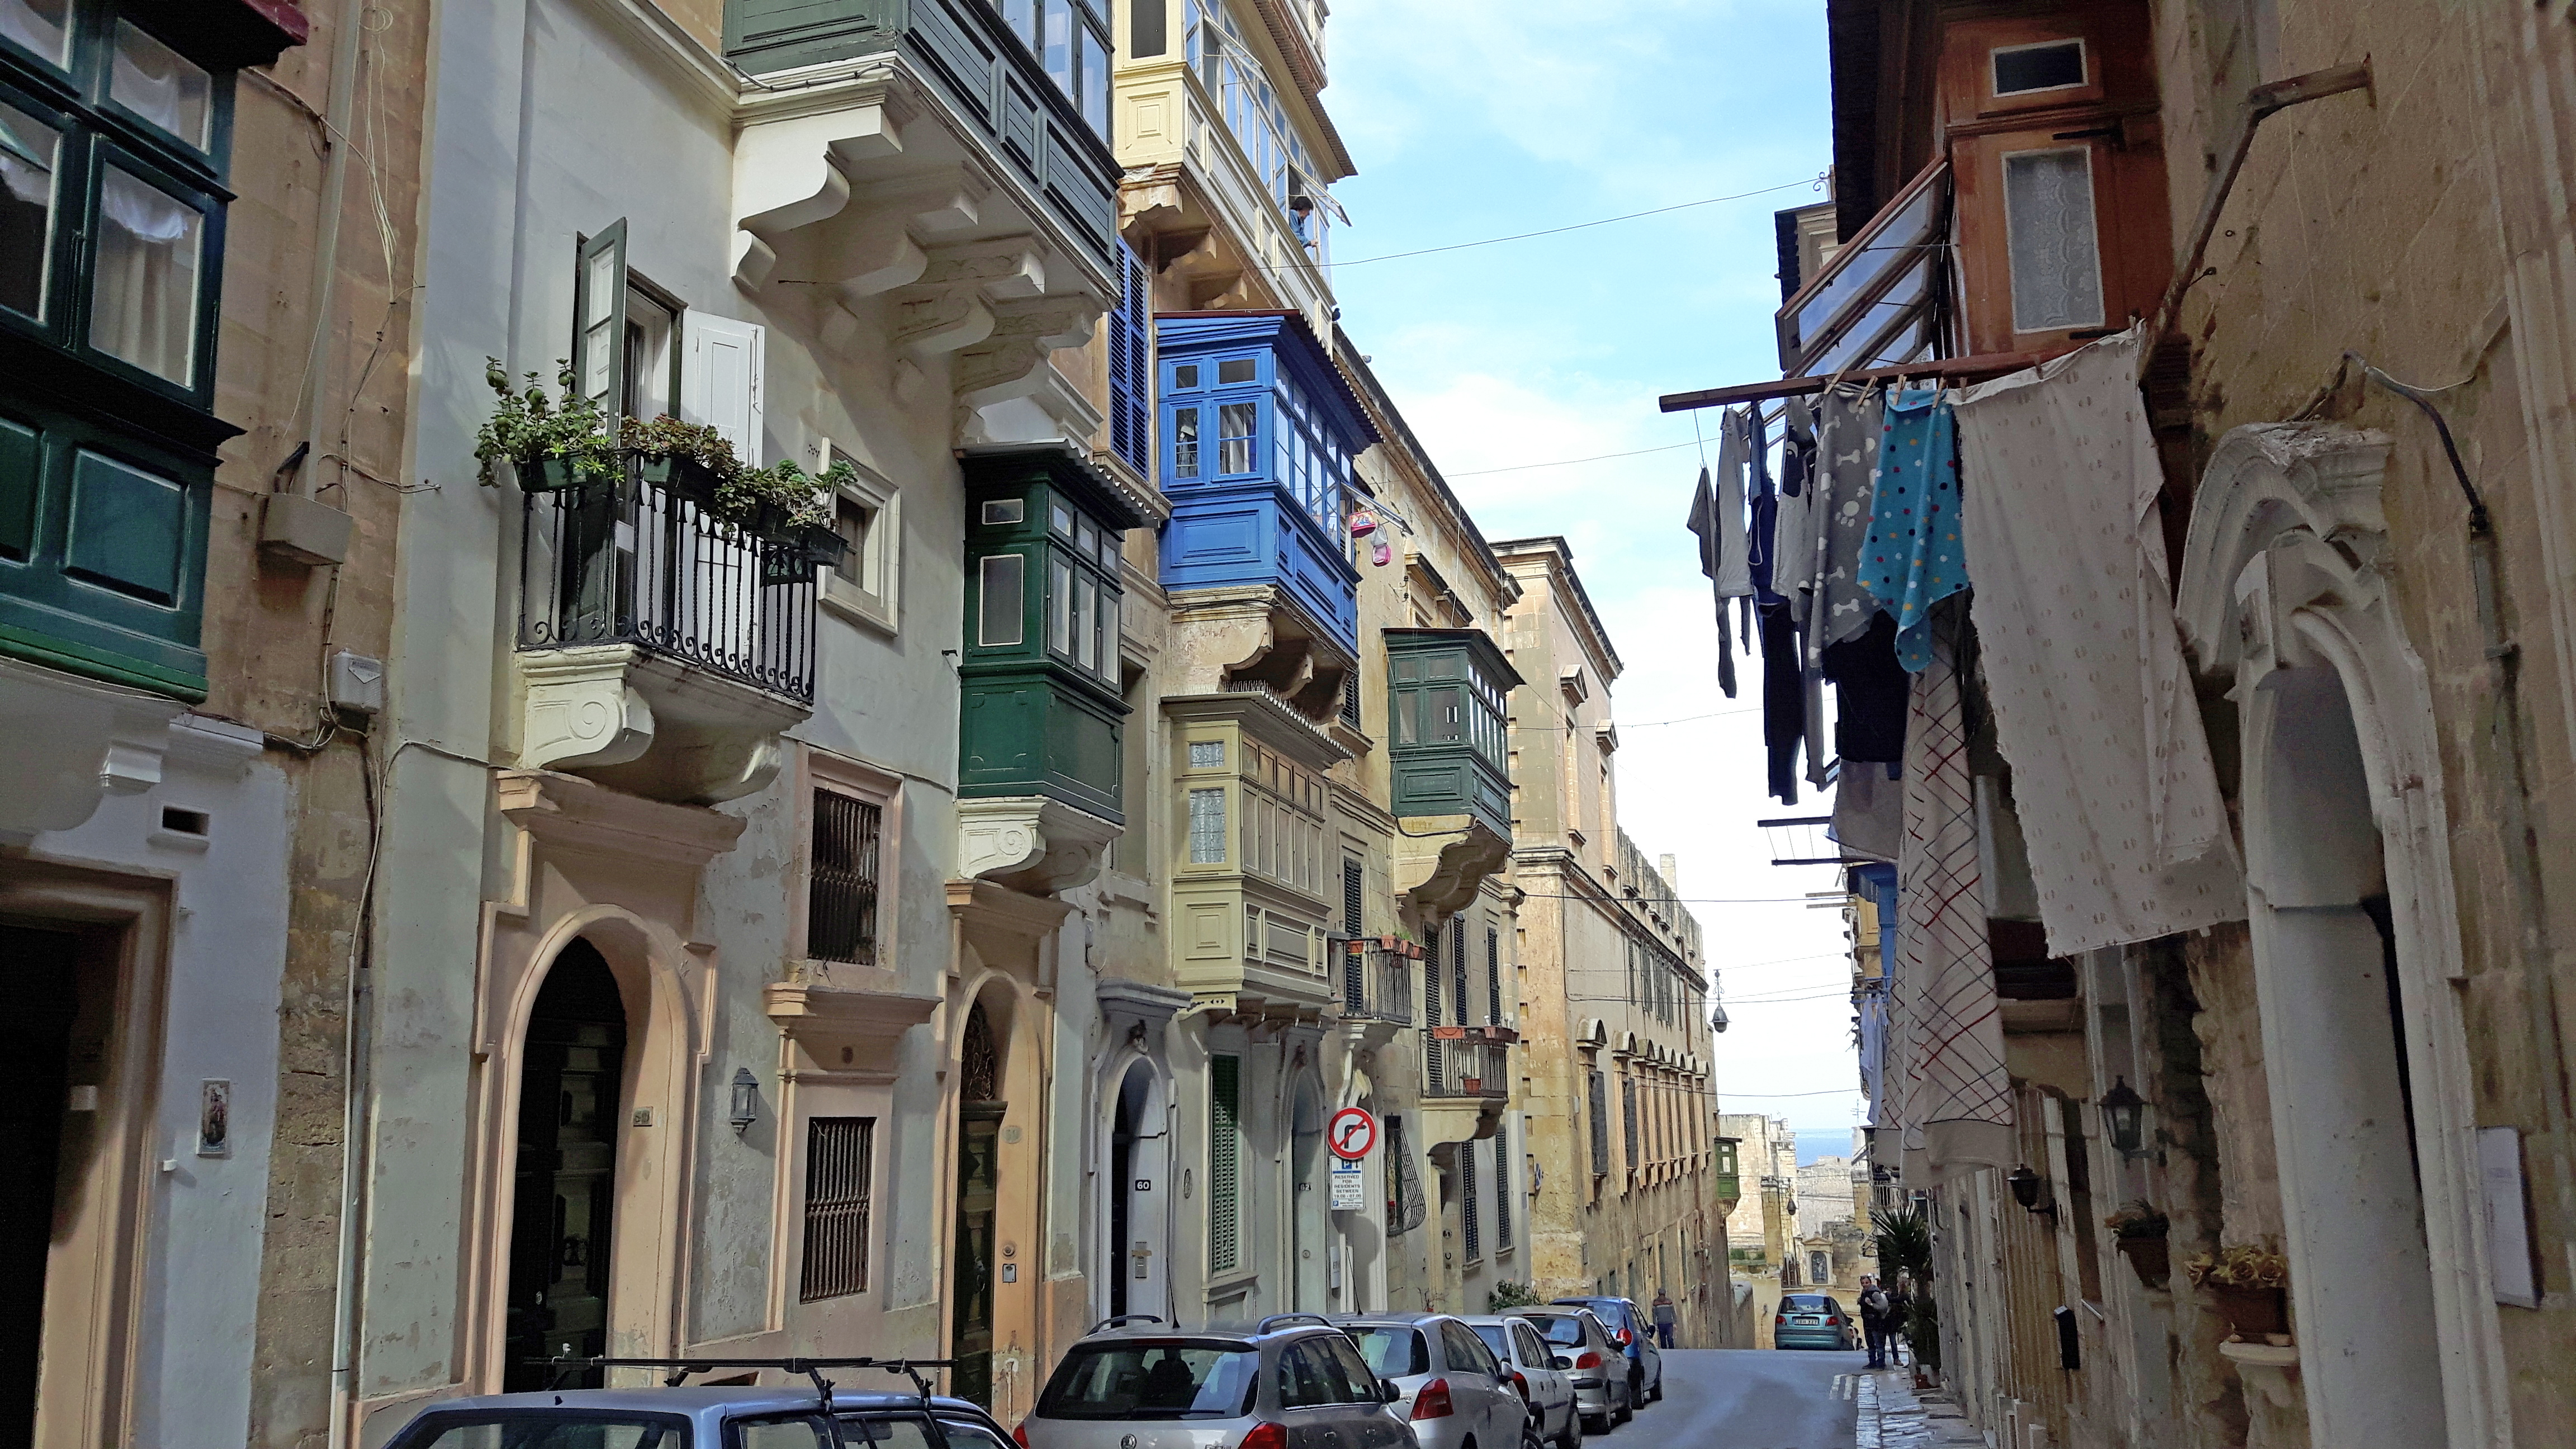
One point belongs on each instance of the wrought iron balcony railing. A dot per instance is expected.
(1466, 1061)
(1377, 979)
(648, 564)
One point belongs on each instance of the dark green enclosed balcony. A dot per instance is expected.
(1447, 707)
(1039, 712)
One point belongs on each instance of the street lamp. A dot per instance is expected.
(746, 1100)
(2124, 1111)
(2026, 1186)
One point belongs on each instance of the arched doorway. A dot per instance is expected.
(571, 1069)
(1132, 1269)
(979, 1138)
(1309, 1253)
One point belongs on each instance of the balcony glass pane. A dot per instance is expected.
(160, 85)
(1185, 436)
(1238, 369)
(2050, 235)
(1059, 606)
(1057, 52)
(998, 616)
(1234, 428)
(143, 299)
(43, 26)
(1086, 641)
(1095, 84)
(1207, 827)
(1207, 754)
(30, 151)
(1445, 712)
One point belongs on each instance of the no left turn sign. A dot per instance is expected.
(1352, 1134)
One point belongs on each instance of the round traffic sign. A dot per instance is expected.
(1352, 1134)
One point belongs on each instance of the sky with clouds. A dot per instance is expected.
(1484, 118)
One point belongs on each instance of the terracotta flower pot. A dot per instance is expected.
(2252, 1312)
(2150, 1258)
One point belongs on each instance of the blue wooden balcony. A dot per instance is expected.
(1259, 432)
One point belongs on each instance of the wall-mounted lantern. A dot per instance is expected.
(2124, 1112)
(746, 1100)
(2027, 1187)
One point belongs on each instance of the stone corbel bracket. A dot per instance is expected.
(1450, 878)
(655, 726)
(76, 742)
(1030, 843)
(842, 1034)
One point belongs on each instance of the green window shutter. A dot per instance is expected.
(1628, 1118)
(1458, 967)
(1469, 1235)
(1600, 1127)
(1502, 1191)
(1225, 1155)
(1351, 897)
(1494, 976)
(599, 318)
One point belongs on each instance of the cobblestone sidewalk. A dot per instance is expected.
(1891, 1417)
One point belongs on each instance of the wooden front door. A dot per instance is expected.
(40, 972)
(972, 1254)
(569, 1084)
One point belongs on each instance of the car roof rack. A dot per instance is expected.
(676, 1369)
(1116, 1320)
(1275, 1319)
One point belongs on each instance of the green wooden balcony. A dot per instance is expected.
(1448, 693)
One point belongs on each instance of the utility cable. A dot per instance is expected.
(1559, 230)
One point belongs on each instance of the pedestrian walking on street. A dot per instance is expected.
(1900, 1307)
(1665, 1318)
(1875, 1305)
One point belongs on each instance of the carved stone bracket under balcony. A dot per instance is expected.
(1443, 863)
(844, 1033)
(97, 740)
(648, 724)
(1030, 843)
(1252, 634)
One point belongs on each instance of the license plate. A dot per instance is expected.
(1805, 1320)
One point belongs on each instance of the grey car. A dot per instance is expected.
(1636, 1339)
(699, 1418)
(1453, 1391)
(1287, 1382)
(1531, 1367)
(1590, 1357)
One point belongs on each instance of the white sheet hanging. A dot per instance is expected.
(2094, 710)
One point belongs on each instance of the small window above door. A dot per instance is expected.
(2048, 65)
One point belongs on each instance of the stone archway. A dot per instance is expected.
(2355, 925)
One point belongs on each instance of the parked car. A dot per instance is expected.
(1290, 1381)
(1636, 1339)
(1589, 1357)
(1812, 1320)
(788, 1417)
(1529, 1365)
(1452, 1389)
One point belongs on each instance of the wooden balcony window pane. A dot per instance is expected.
(1234, 430)
(998, 617)
(30, 155)
(1207, 827)
(42, 26)
(143, 299)
(2051, 238)
(160, 85)
(1185, 435)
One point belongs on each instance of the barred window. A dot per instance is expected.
(841, 889)
(1207, 827)
(1628, 1117)
(1351, 697)
(1225, 1144)
(1468, 1235)
(1600, 1094)
(839, 1152)
(1502, 1192)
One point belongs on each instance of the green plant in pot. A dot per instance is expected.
(2140, 1231)
(792, 510)
(552, 444)
(2251, 1286)
(691, 457)
(1512, 1295)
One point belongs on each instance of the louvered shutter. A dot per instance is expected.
(1131, 366)
(1494, 976)
(1225, 1142)
(1628, 1118)
(720, 380)
(1600, 1127)
(599, 318)
(1469, 1235)
(1502, 1191)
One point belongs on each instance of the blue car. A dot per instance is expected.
(1813, 1320)
(1636, 1338)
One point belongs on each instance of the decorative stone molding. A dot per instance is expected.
(651, 725)
(2273, 489)
(74, 741)
(2268, 1369)
(1030, 843)
(841, 1033)
(1441, 883)
(1255, 634)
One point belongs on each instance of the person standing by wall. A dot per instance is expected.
(1875, 1306)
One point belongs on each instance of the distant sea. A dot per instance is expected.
(1814, 1142)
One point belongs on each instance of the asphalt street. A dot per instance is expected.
(1723, 1398)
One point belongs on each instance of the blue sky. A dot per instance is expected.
(1473, 119)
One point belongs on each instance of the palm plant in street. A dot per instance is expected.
(1905, 1245)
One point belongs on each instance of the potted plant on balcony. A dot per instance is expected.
(2140, 1231)
(550, 444)
(2251, 1286)
(792, 511)
(692, 459)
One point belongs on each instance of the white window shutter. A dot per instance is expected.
(720, 379)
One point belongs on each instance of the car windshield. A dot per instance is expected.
(1157, 1378)
(1497, 1338)
(546, 1429)
(1805, 1302)
(1392, 1353)
(1564, 1332)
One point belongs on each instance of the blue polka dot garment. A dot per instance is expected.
(1913, 559)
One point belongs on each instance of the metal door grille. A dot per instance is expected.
(838, 1156)
(841, 894)
(1224, 1163)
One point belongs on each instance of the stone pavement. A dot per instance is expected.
(1893, 1417)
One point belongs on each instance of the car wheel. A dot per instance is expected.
(1572, 1438)
(1622, 1409)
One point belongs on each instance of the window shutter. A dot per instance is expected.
(1225, 1238)
(599, 318)
(721, 372)
(1600, 1127)
(1502, 1191)
(1458, 966)
(1628, 1117)
(1130, 366)
(1351, 897)
(837, 1160)
(1494, 976)
(1469, 1235)
(1435, 1074)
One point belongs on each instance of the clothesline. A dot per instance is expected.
(1952, 369)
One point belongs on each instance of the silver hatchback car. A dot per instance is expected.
(1590, 1356)
(1453, 1391)
(1287, 1382)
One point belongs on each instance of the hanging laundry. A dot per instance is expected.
(1734, 568)
(2093, 704)
(1847, 439)
(1784, 700)
(1820, 753)
(1793, 528)
(1959, 1098)
(1869, 813)
(1870, 694)
(1914, 559)
(1704, 522)
(1762, 509)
